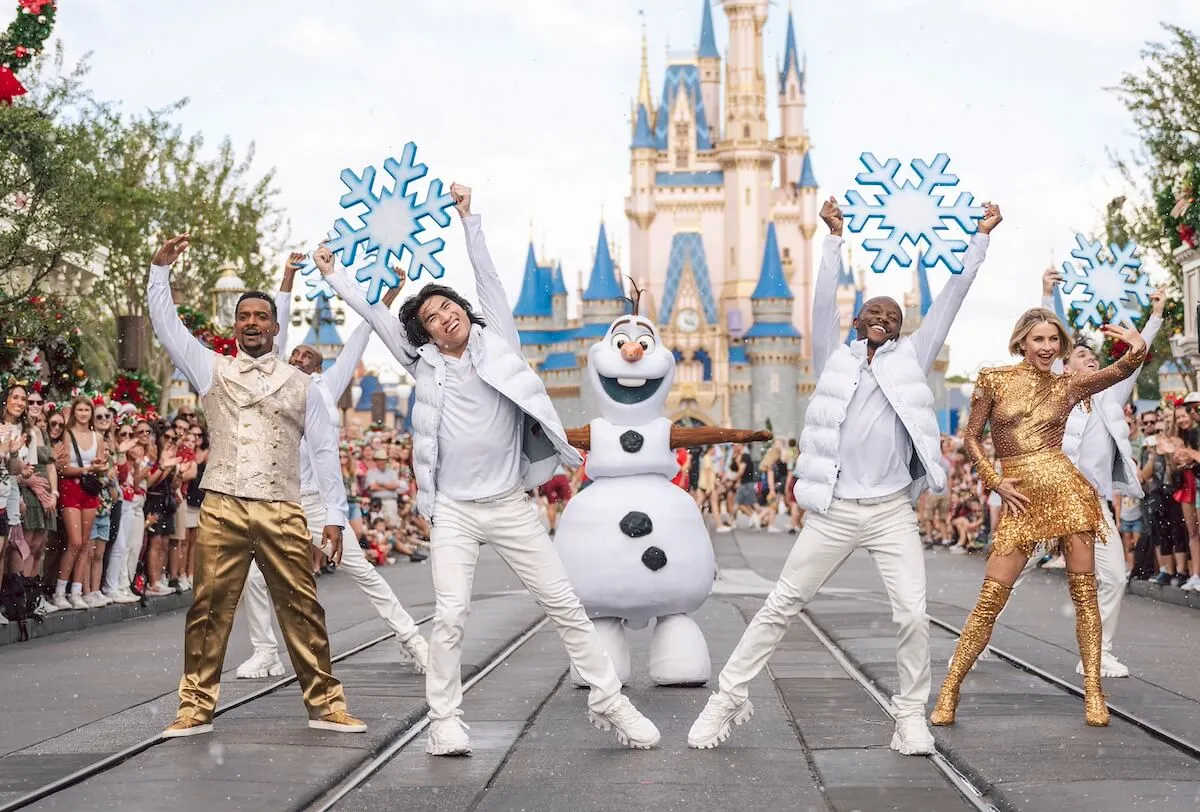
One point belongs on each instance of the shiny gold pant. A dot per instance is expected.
(232, 532)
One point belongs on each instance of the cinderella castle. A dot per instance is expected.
(722, 217)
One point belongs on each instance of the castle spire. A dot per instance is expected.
(708, 42)
(603, 282)
(534, 299)
(807, 180)
(771, 282)
(791, 55)
(643, 98)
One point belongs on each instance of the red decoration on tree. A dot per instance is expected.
(10, 87)
(34, 6)
(1187, 234)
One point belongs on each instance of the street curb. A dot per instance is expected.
(74, 620)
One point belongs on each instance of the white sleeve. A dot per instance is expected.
(283, 310)
(492, 300)
(826, 320)
(931, 335)
(385, 325)
(320, 433)
(190, 357)
(341, 372)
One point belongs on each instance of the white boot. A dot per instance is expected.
(678, 652)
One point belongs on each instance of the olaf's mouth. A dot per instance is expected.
(630, 390)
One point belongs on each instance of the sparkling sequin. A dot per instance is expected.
(976, 633)
(1028, 411)
(1088, 633)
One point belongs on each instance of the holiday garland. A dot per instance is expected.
(22, 42)
(135, 388)
(206, 332)
(1180, 209)
(40, 342)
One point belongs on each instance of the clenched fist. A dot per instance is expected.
(991, 218)
(323, 259)
(831, 213)
(462, 198)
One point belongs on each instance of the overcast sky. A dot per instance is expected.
(527, 102)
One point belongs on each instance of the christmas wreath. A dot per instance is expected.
(39, 341)
(1178, 207)
(201, 325)
(135, 388)
(22, 42)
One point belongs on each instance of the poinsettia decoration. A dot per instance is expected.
(201, 325)
(21, 42)
(136, 388)
(1179, 206)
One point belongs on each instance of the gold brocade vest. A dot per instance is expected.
(255, 422)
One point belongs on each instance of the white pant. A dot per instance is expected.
(889, 532)
(257, 599)
(510, 525)
(122, 566)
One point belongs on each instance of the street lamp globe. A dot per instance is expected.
(226, 292)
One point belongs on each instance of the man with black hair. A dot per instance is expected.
(259, 410)
(484, 434)
(1097, 442)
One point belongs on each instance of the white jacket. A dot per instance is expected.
(901, 368)
(1108, 460)
(495, 352)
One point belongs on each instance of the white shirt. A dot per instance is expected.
(195, 361)
(874, 447)
(479, 440)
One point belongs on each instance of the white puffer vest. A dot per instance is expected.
(903, 383)
(543, 441)
(1111, 416)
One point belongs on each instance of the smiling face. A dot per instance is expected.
(1042, 345)
(446, 323)
(306, 359)
(255, 327)
(879, 321)
(631, 372)
(1082, 359)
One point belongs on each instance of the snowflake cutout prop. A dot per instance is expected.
(318, 286)
(390, 223)
(1113, 291)
(911, 212)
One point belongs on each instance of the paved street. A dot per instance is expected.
(818, 740)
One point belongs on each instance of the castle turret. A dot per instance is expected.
(604, 298)
(558, 298)
(534, 308)
(322, 333)
(773, 346)
(708, 59)
(793, 140)
(802, 271)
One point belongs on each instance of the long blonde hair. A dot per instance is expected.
(1032, 318)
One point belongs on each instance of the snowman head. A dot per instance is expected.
(631, 371)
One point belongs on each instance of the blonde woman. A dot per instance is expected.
(82, 459)
(1044, 496)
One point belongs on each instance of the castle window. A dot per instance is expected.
(682, 132)
(747, 197)
(792, 92)
(732, 257)
(746, 131)
(787, 254)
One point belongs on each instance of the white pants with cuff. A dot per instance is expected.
(888, 530)
(127, 549)
(510, 525)
(257, 599)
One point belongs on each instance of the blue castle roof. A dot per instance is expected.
(643, 138)
(322, 332)
(791, 56)
(845, 278)
(687, 251)
(708, 42)
(688, 78)
(858, 303)
(808, 180)
(558, 287)
(368, 386)
(923, 286)
(603, 284)
(559, 360)
(771, 282)
(539, 285)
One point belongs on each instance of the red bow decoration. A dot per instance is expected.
(10, 86)
(1187, 234)
(35, 6)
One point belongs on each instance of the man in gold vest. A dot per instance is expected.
(259, 411)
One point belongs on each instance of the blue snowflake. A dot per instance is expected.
(391, 223)
(1113, 291)
(318, 287)
(911, 212)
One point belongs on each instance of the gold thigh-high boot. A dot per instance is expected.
(1087, 630)
(974, 639)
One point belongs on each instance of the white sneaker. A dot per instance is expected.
(185, 583)
(61, 602)
(418, 649)
(956, 550)
(45, 607)
(714, 724)
(912, 737)
(1056, 563)
(77, 601)
(262, 664)
(1191, 584)
(159, 590)
(632, 729)
(123, 595)
(3, 619)
(101, 598)
(448, 737)
(724, 528)
(1110, 667)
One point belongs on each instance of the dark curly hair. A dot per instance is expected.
(410, 318)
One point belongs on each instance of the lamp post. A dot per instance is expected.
(226, 292)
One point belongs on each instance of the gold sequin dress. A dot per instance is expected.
(1028, 411)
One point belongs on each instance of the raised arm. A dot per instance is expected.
(929, 338)
(191, 357)
(385, 325)
(1086, 384)
(1123, 389)
(341, 372)
(283, 301)
(981, 412)
(691, 437)
(826, 319)
(492, 300)
(1052, 301)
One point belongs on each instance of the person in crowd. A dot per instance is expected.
(82, 459)
(486, 434)
(258, 412)
(870, 445)
(102, 420)
(1045, 496)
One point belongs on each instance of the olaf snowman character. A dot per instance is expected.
(634, 545)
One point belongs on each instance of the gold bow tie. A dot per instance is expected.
(265, 364)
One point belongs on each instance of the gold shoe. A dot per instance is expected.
(1088, 633)
(976, 633)
(338, 721)
(186, 726)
